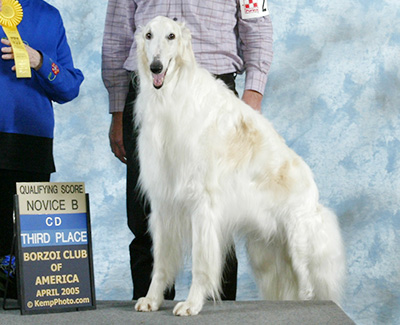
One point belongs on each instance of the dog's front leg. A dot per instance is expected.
(167, 258)
(206, 264)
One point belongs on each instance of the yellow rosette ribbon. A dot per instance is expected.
(10, 17)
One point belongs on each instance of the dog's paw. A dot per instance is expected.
(187, 308)
(307, 294)
(146, 304)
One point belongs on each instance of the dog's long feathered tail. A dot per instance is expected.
(328, 269)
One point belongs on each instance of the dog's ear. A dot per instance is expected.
(186, 51)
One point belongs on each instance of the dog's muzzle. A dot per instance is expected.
(156, 67)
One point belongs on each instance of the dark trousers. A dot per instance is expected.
(8, 179)
(138, 210)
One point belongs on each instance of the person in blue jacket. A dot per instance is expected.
(26, 109)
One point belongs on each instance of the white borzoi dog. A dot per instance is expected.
(212, 168)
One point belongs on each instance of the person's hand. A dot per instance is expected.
(253, 98)
(35, 58)
(116, 137)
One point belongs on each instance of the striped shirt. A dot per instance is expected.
(223, 42)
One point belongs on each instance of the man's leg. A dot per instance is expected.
(229, 274)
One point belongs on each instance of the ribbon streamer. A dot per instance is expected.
(10, 16)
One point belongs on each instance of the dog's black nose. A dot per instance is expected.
(156, 67)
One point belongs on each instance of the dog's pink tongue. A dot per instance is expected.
(158, 79)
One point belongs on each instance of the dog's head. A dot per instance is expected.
(163, 47)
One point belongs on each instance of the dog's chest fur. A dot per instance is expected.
(170, 148)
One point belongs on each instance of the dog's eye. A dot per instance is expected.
(171, 36)
(149, 35)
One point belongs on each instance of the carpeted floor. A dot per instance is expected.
(227, 312)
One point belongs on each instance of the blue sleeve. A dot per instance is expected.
(58, 76)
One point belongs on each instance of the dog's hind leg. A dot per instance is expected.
(316, 251)
(167, 251)
(206, 263)
(299, 258)
(272, 269)
(301, 227)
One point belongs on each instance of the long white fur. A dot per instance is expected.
(214, 168)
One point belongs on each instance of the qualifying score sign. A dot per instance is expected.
(55, 265)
